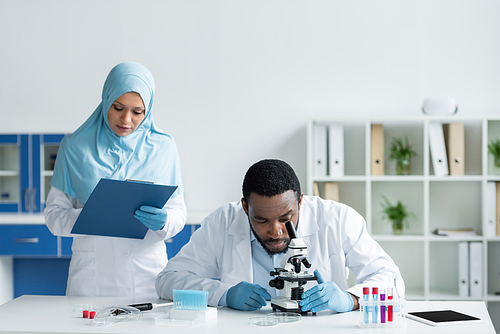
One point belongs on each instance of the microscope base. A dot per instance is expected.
(287, 305)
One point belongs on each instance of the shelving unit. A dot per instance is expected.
(26, 168)
(428, 263)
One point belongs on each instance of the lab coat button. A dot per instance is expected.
(127, 253)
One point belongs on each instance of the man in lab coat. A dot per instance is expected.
(233, 252)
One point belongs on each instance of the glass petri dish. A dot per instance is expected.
(263, 321)
(284, 317)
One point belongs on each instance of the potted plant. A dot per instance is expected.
(494, 149)
(397, 214)
(402, 153)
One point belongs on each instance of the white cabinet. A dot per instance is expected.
(428, 262)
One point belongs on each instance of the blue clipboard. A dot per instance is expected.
(109, 211)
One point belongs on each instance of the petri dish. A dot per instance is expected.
(263, 321)
(284, 317)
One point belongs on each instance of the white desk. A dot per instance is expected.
(54, 314)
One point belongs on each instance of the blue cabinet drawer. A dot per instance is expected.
(27, 240)
(66, 244)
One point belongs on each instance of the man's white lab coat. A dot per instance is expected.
(219, 254)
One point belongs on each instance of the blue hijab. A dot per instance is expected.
(94, 151)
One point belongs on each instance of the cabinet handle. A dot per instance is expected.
(26, 240)
(26, 200)
(33, 199)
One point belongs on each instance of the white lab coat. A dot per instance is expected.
(218, 255)
(112, 267)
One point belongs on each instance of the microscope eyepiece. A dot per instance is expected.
(292, 233)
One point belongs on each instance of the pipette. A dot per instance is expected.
(149, 306)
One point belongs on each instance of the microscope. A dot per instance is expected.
(290, 277)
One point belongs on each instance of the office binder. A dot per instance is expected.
(476, 269)
(332, 191)
(463, 269)
(316, 189)
(438, 149)
(497, 220)
(377, 149)
(454, 139)
(336, 150)
(320, 150)
(109, 211)
(490, 202)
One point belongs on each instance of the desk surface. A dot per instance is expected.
(55, 314)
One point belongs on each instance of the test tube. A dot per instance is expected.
(382, 307)
(366, 298)
(375, 307)
(389, 307)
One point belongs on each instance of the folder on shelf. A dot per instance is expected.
(497, 220)
(455, 231)
(454, 138)
(332, 191)
(316, 189)
(476, 269)
(109, 211)
(438, 149)
(336, 150)
(490, 202)
(377, 149)
(463, 269)
(320, 150)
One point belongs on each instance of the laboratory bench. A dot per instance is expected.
(60, 314)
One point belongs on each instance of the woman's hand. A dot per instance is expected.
(154, 218)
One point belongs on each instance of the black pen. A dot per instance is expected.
(149, 306)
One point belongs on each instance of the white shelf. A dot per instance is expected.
(9, 173)
(398, 238)
(428, 262)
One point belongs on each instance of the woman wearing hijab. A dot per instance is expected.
(118, 141)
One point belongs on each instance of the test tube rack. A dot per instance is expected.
(384, 314)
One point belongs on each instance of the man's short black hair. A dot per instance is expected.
(269, 178)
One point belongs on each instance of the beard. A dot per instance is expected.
(265, 243)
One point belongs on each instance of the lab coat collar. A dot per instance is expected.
(240, 230)
(308, 225)
(239, 227)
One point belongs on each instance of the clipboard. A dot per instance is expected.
(109, 211)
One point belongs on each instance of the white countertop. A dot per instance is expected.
(55, 314)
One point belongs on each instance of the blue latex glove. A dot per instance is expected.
(247, 296)
(326, 295)
(152, 217)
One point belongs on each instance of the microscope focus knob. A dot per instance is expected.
(277, 283)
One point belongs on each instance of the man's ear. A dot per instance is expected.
(245, 206)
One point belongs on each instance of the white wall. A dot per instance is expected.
(237, 80)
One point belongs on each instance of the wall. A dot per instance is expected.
(237, 80)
